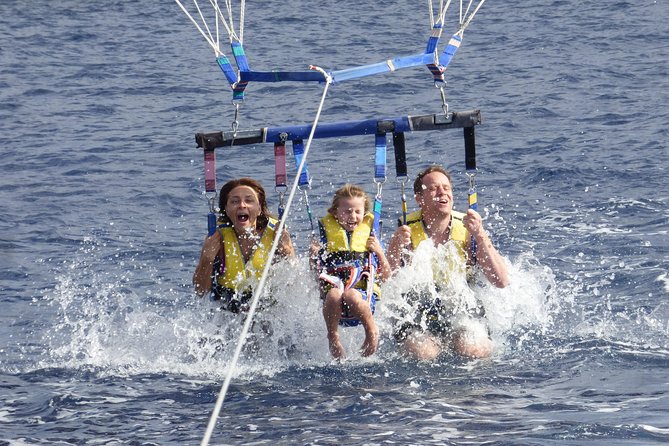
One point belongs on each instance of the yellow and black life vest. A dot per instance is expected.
(342, 251)
(236, 275)
(458, 236)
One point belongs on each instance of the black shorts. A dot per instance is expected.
(431, 315)
(230, 300)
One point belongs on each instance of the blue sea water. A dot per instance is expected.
(103, 215)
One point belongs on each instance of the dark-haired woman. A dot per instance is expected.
(233, 258)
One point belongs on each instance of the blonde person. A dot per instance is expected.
(351, 261)
(233, 258)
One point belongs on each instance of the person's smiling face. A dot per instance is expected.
(350, 212)
(436, 196)
(243, 208)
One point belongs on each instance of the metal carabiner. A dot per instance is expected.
(211, 200)
(444, 104)
(379, 187)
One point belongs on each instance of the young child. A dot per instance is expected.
(350, 260)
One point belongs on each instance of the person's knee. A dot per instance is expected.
(352, 298)
(334, 295)
(474, 347)
(422, 346)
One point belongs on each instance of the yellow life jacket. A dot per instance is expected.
(458, 236)
(236, 275)
(340, 251)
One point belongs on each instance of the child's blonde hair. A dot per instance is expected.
(349, 191)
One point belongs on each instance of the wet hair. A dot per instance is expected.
(349, 191)
(418, 183)
(263, 218)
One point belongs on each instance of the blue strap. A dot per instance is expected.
(387, 66)
(376, 228)
(280, 76)
(243, 65)
(298, 153)
(433, 41)
(450, 50)
(303, 180)
(380, 157)
(226, 67)
(211, 223)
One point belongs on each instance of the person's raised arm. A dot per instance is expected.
(492, 263)
(205, 267)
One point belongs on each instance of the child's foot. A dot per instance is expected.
(371, 342)
(336, 349)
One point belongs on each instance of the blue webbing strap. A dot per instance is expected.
(243, 65)
(470, 166)
(432, 42)
(379, 178)
(281, 76)
(387, 66)
(450, 50)
(303, 182)
(226, 66)
(381, 148)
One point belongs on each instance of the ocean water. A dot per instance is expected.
(103, 214)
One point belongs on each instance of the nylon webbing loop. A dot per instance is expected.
(381, 149)
(298, 154)
(380, 158)
(470, 166)
(210, 171)
(303, 182)
(226, 67)
(376, 228)
(210, 189)
(399, 145)
(280, 175)
(470, 148)
(243, 65)
(450, 50)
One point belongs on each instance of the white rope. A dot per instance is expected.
(242, 16)
(431, 10)
(218, 35)
(259, 289)
(220, 17)
(471, 16)
(208, 38)
(441, 15)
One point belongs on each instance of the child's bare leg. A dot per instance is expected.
(332, 307)
(360, 310)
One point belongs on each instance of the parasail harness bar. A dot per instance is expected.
(453, 120)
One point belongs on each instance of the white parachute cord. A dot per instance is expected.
(218, 34)
(259, 289)
(442, 12)
(208, 38)
(230, 26)
(431, 10)
(204, 22)
(242, 16)
(471, 16)
(222, 18)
